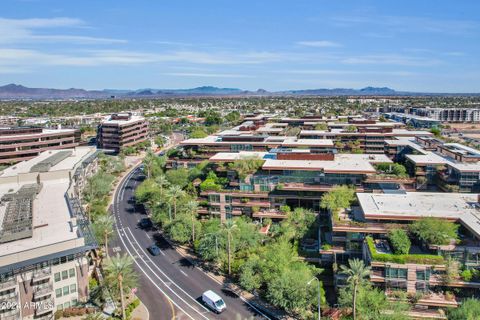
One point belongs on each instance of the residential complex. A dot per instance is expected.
(293, 163)
(45, 239)
(24, 143)
(121, 130)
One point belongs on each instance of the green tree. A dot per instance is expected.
(339, 197)
(468, 310)
(178, 177)
(356, 274)
(103, 229)
(192, 207)
(246, 166)
(434, 231)
(399, 241)
(198, 133)
(162, 183)
(229, 228)
(175, 192)
(147, 192)
(121, 276)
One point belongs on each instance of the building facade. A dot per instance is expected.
(122, 130)
(45, 238)
(24, 143)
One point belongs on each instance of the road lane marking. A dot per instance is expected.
(158, 277)
(163, 273)
(186, 275)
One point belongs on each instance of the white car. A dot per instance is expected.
(213, 301)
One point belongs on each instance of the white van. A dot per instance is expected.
(213, 301)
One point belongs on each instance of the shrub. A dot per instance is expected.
(285, 209)
(428, 259)
(399, 240)
(434, 231)
(467, 275)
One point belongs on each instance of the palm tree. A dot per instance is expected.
(162, 182)
(148, 163)
(175, 192)
(229, 227)
(356, 275)
(105, 226)
(192, 207)
(119, 271)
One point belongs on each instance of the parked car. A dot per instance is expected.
(214, 301)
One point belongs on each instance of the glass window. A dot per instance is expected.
(57, 276)
(73, 288)
(64, 274)
(74, 302)
(66, 290)
(60, 307)
(66, 305)
(58, 293)
(71, 272)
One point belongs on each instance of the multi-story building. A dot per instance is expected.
(122, 130)
(450, 114)
(422, 272)
(414, 120)
(45, 239)
(24, 143)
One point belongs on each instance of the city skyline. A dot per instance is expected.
(427, 47)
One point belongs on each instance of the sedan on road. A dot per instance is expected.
(154, 250)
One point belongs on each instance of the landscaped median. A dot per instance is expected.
(428, 259)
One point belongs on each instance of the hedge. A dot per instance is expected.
(403, 258)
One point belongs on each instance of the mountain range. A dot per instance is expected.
(15, 91)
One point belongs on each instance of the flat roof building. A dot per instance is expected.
(24, 143)
(45, 239)
(121, 130)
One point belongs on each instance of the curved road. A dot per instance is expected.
(169, 285)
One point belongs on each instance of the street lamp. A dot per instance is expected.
(308, 283)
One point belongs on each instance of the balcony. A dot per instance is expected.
(42, 290)
(273, 214)
(42, 274)
(251, 203)
(10, 297)
(8, 284)
(44, 306)
(11, 315)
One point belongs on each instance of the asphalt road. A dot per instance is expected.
(170, 286)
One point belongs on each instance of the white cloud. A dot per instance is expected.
(319, 44)
(392, 59)
(348, 72)
(206, 75)
(15, 31)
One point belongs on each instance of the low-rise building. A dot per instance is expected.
(122, 130)
(45, 239)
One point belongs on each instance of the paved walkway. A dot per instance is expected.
(140, 313)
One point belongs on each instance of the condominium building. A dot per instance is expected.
(24, 143)
(121, 130)
(45, 239)
(362, 232)
(450, 114)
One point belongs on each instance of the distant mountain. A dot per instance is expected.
(15, 91)
(343, 91)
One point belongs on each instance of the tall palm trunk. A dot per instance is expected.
(355, 302)
(120, 284)
(105, 234)
(174, 208)
(229, 253)
(193, 228)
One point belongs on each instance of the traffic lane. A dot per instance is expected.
(176, 266)
(156, 279)
(186, 303)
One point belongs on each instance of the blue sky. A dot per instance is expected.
(430, 46)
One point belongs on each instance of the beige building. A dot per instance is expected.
(45, 239)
